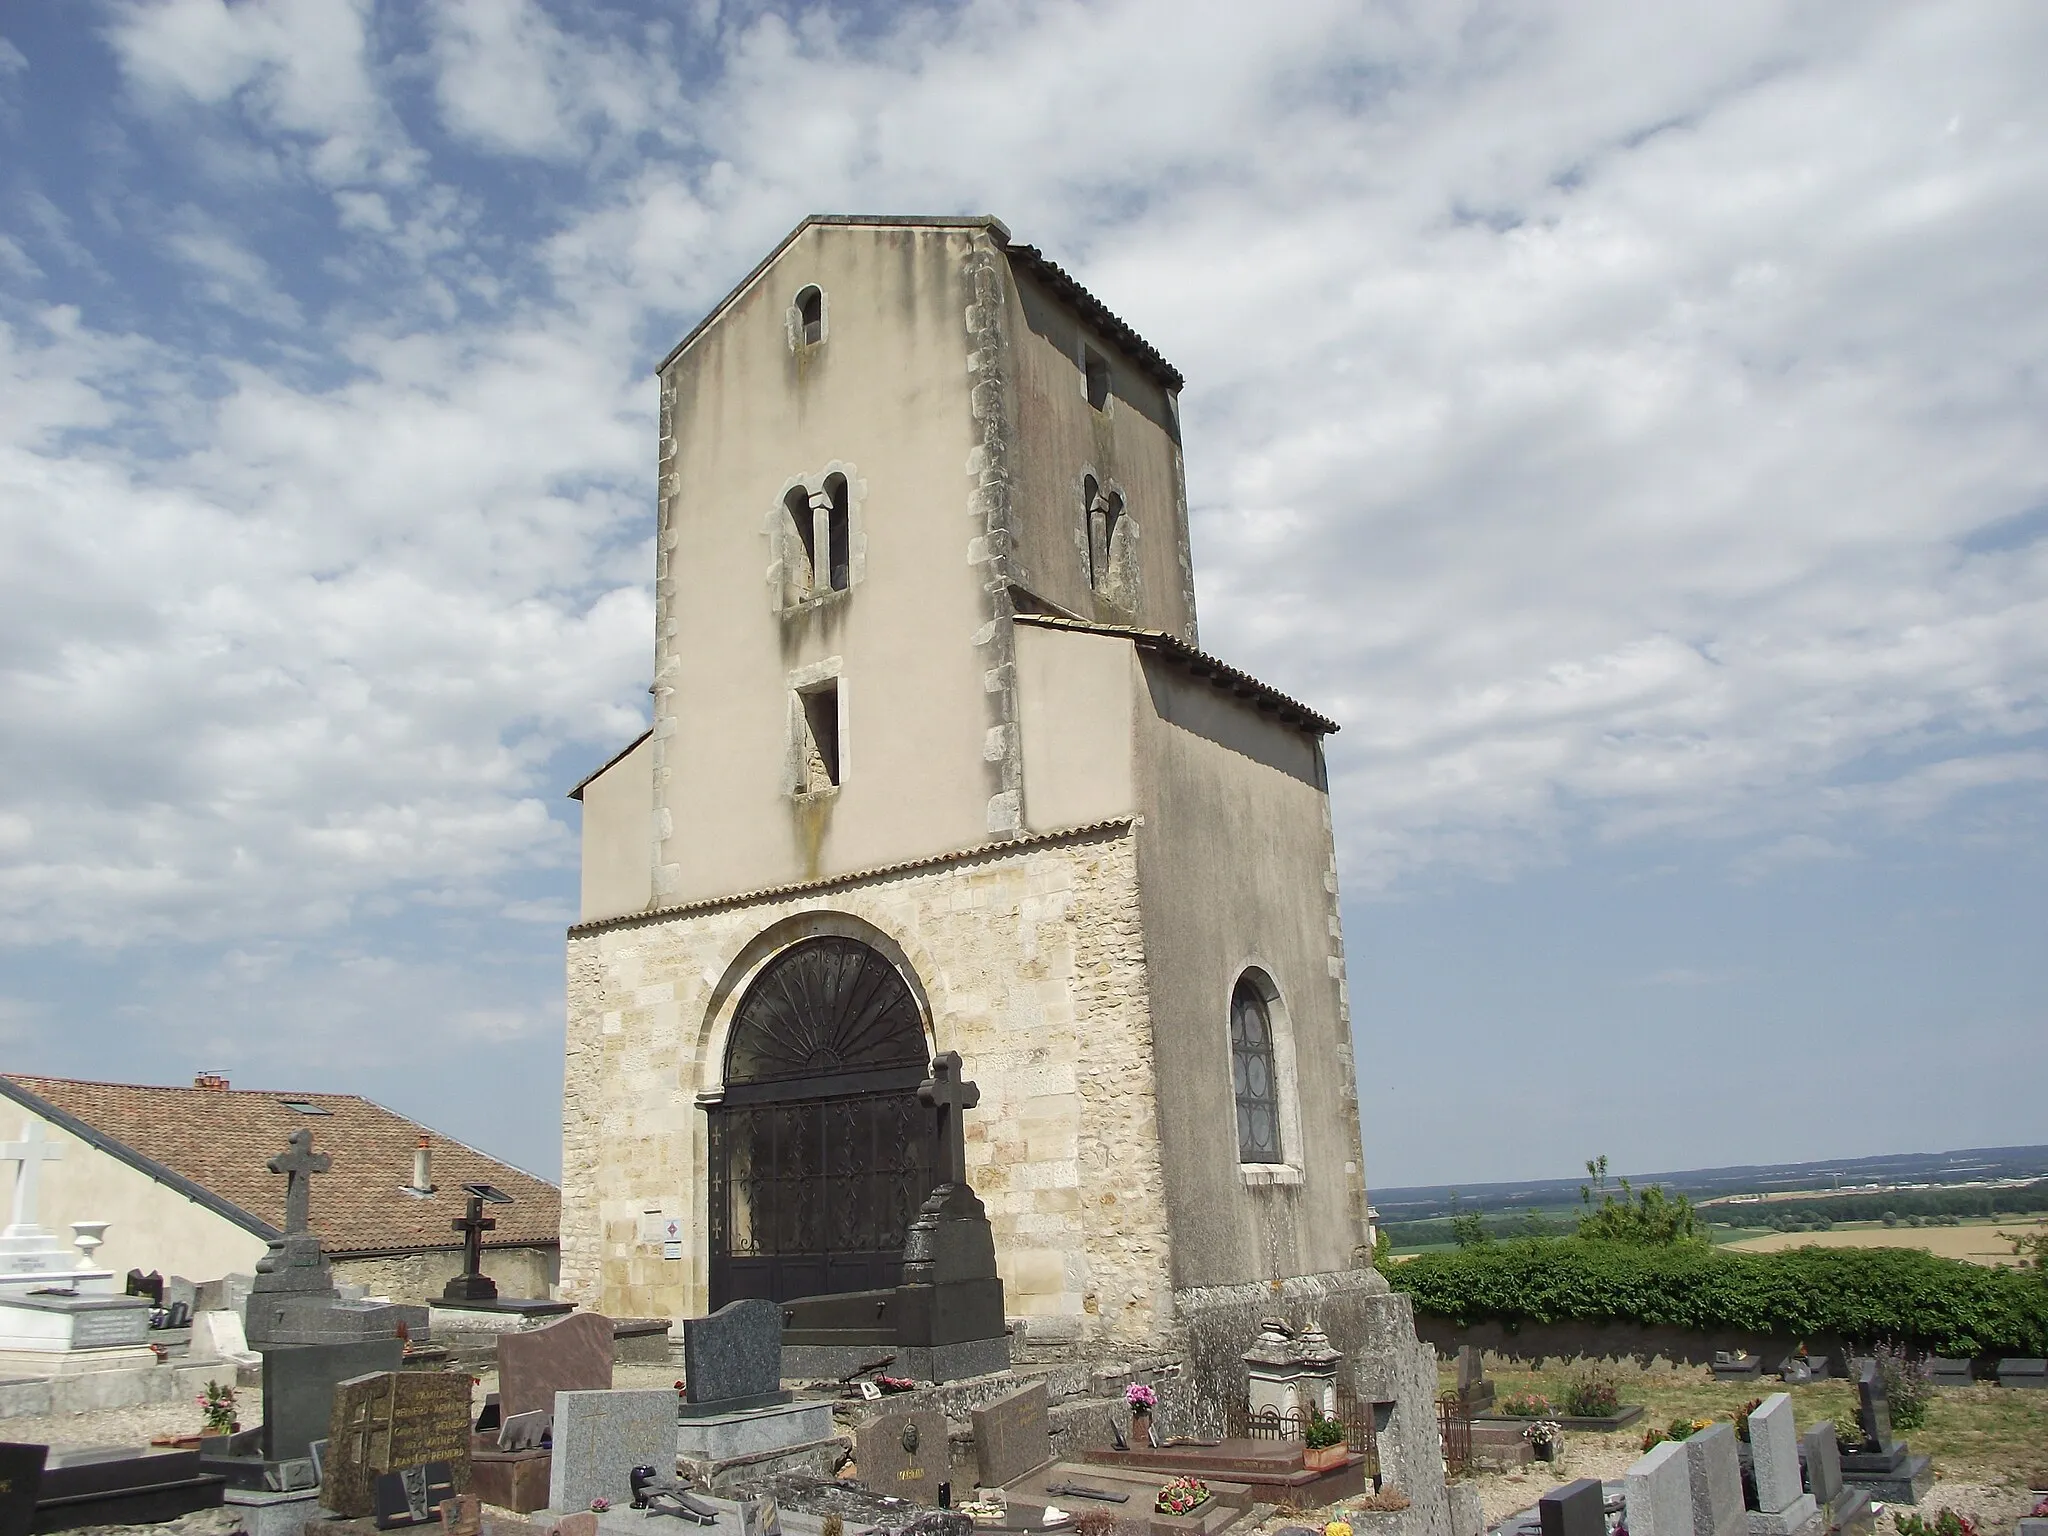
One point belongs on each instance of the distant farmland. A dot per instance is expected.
(1978, 1242)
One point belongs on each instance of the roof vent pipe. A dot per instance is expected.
(422, 1166)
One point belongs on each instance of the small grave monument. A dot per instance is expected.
(1576, 1509)
(1473, 1387)
(59, 1313)
(1737, 1365)
(511, 1467)
(600, 1437)
(470, 1302)
(21, 1477)
(1714, 1474)
(1657, 1491)
(1943, 1372)
(2024, 1373)
(293, 1299)
(1291, 1375)
(1783, 1506)
(904, 1455)
(122, 1485)
(1012, 1436)
(389, 1422)
(1820, 1457)
(1885, 1465)
(736, 1415)
(945, 1321)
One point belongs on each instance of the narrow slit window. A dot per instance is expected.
(798, 501)
(810, 314)
(1097, 369)
(838, 536)
(821, 738)
(1253, 1076)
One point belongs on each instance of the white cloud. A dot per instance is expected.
(1592, 409)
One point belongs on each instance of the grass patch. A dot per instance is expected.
(1975, 1434)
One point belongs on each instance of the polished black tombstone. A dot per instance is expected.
(21, 1477)
(1576, 1509)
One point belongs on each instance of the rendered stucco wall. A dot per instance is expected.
(155, 1227)
(1133, 446)
(1238, 870)
(886, 399)
(618, 848)
(1075, 698)
(1031, 964)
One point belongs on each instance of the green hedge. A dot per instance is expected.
(1859, 1294)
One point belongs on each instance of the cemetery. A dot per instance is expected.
(937, 1158)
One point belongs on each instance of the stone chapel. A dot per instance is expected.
(937, 765)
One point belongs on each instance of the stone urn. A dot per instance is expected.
(86, 1237)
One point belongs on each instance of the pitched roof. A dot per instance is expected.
(1221, 674)
(1029, 257)
(211, 1144)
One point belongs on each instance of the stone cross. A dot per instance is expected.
(952, 1097)
(298, 1164)
(31, 1152)
(473, 1226)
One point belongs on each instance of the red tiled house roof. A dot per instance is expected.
(212, 1143)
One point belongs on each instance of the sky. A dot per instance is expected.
(1627, 421)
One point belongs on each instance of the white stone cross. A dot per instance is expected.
(31, 1152)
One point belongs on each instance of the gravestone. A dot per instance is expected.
(1713, 1468)
(733, 1359)
(1949, 1373)
(1820, 1460)
(1473, 1386)
(1874, 1409)
(473, 1284)
(1012, 1436)
(572, 1355)
(1576, 1509)
(1657, 1490)
(600, 1437)
(21, 1478)
(1783, 1505)
(2016, 1372)
(298, 1390)
(904, 1455)
(393, 1421)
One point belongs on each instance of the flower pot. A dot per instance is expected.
(1322, 1458)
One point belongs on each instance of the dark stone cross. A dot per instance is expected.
(952, 1097)
(298, 1164)
(473, 1226)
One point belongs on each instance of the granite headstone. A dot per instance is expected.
(904, 1455)
(572, 1355)
(1714, 1473)
(298, 1389)
(1783, 1505)
(1820, 1459)
(1657, 1489)
(1576, 1509)
(1873, 1408)
(733, 1358)
(600, 1437)
(1012, 1436)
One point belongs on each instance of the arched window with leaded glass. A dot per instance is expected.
(1254, 1075)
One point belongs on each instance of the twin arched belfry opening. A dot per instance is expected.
(820, 1151)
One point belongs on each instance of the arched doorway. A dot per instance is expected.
(820, 1152)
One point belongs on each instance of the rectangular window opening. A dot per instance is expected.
(820, 769)
(1097, 367)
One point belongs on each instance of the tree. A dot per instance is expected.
(1643, 1218)
(1469, 1231)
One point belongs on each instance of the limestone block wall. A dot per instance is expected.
(521, 1273)
(1029, 957)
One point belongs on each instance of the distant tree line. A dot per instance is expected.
(1900, 1206)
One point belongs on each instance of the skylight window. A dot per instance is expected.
(304, 1108)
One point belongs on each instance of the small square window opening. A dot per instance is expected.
(1097, 368)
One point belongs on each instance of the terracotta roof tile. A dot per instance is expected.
(220, 1139)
